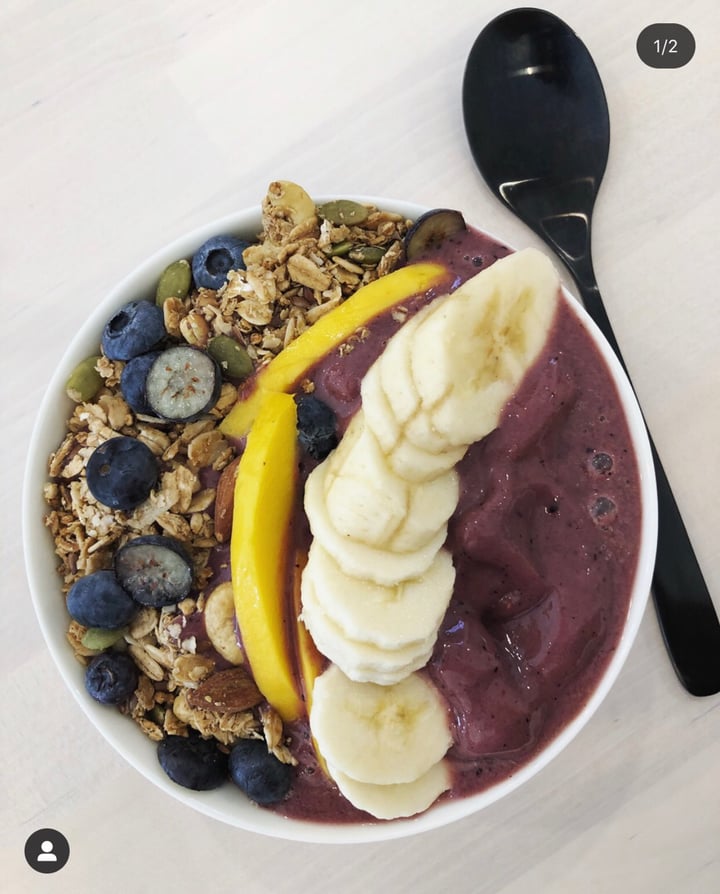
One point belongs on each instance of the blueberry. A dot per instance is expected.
(431, 229)
(155, 570)
(262, 777)
(215, 259)
(121, 473)
(601, 462)
(98, 600)
(111, 677)
(183, 383)
(317, 426)
(193, 762)
(135, 329)
(132, 382)
(603, 512)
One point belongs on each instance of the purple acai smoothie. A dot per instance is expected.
(544, 539)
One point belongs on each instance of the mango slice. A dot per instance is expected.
(310, 662)
(265, 493)
(289, 366)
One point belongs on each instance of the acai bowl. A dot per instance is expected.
(539, 527)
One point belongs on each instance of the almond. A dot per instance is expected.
(224, 497)
(226, 691)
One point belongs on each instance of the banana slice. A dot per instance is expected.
(430, 505)
(406, 459)
(421, 431)
(219, 614)
(357, 559)
(395, 372)
(416, 464)
(398, 385)
(369, 502)
(479, 412)
(395, 800)
(360, 661)
(379, 415)
(365, 499)
(387, 617)
(470, 354)
(379, 734)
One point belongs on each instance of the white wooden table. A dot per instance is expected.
(122, 125)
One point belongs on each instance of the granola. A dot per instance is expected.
(300, 267)
(294, 275)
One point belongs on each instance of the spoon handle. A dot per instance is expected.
(687, 616)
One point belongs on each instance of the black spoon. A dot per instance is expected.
(537, 123)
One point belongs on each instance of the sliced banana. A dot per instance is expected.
(409, 460)
(388, 617)
(369, 502)
(362, 662)
(395, 372)
(365, 499)
(416, 464)
(398, 799)
(379, 734)
(479, 412)
(470, 354)
(377, 582)
(219, 614)
(421, 431)
(405, 458)
(357, 559)
(398, 385)
(430, 505)
(379, 415)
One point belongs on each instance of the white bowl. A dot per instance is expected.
(227, 804)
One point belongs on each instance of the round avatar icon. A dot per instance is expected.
(47, 850)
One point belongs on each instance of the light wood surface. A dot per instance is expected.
(123, 125)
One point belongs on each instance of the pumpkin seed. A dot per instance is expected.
(234, 360)
(158, 714)
(339, 250)
(367, 255)
(343, 211)
(84, 381)
(174, 281)
(98, 639)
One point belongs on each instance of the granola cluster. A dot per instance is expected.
(86, 533)
(302, 266)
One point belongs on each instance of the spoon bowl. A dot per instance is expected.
(544, 69)
(538, 127)
(539, 130)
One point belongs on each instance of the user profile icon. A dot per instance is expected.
(47, 850)
(46, 854)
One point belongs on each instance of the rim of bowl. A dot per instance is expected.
(226, 804)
